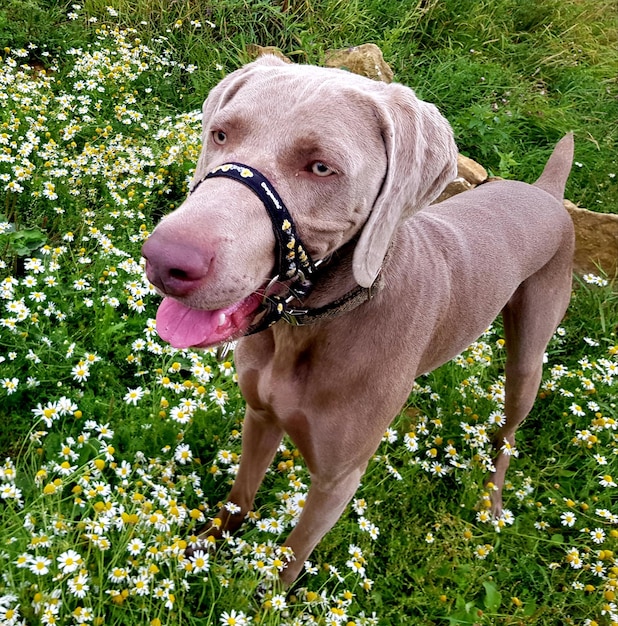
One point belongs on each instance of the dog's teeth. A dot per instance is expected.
(221, 319)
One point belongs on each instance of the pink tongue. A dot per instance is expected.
(183, 327)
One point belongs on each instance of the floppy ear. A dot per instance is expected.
(421, 160)
(218, 97)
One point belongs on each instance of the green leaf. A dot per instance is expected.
(26, 241)
(493, 598)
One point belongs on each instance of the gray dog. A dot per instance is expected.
(308, 233)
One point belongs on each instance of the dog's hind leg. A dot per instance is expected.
(530, 320)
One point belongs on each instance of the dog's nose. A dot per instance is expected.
(175, 268)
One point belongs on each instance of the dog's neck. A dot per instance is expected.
(335, 290)
(333, 279)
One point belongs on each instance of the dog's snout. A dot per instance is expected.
(175, 268)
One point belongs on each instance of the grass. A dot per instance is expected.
(115, 447)
(512, 76)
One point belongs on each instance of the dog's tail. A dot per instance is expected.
(554, 177)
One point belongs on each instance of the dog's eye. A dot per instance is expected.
(219, 137)
(321, 169)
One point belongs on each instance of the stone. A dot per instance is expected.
(470, 170)
(596, 241)
(469, 175)
(459, 185)
(366, 60)
(256, 51)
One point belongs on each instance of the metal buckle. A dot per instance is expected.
(223, 350)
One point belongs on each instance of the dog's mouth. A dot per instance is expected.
(184, 327)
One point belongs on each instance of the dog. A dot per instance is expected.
(309, 236)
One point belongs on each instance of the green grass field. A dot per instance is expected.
(114, 448)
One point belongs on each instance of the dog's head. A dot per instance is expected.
(350, 157)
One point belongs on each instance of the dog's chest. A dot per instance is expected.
(274, 375)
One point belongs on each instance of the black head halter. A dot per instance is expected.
(294, 265)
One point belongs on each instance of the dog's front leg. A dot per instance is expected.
(260, 440)
(325, 503)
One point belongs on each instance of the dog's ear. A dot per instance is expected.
(218, 97)
(421, 160)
